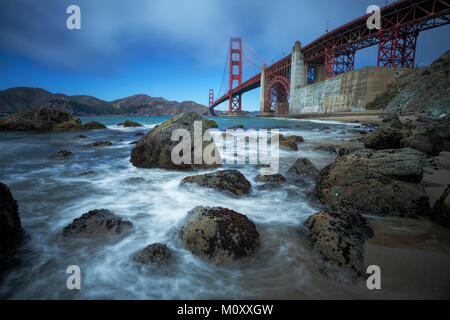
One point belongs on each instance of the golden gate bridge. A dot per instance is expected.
(329, 55)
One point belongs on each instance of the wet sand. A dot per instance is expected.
(363, 117)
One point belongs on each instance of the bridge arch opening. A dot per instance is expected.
(277, 96)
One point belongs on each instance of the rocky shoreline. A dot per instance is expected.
(377, 175)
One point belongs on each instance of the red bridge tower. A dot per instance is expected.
(235, 74)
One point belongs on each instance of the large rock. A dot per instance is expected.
(289, 142)
(379, 182)
(154, 150)
(387, 136)
(270, 178)
(39, 119)
(93, 125)
(232, 181)
(441, 209)
(97, 223)
(338, 244)
(11, 232)
(304, 168)
(430, 137)
(154, 253)
(129, 123)
(45, 120)
(219, 235)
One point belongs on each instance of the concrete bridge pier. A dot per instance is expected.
(262, 96)
(299, 73)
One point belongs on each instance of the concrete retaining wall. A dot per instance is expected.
(350, 91)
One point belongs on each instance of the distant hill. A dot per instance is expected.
(20, 98)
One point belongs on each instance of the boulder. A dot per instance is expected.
(270, 178)
(154, 253)
(289, 142)
(239, 126)
(129, 123)
(441, 209)
(304, 168)
(232, 181)
(430, 136)
(154, 150)
(388, 136)
(337, 242)
(219, 235)
(40, 119)
(97, 223)
(63, 154)
(139, 134)
(340, 146)
(93, 125)
(100, 144)
(379, 182)
(11, 232)
(210, 123)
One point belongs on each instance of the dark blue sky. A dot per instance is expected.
(168, 48)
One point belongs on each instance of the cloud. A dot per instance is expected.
(115, 32)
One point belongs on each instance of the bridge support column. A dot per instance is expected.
(299, 73)
(397, 48)
(262, 89)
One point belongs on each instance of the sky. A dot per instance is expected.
(175, 49)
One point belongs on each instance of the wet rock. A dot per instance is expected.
(239, 126)
(430, 137)
(441, 209)
(135, 180)
(129, 123)
(219, 235)
(154, 253)
(442, 161)
(63, 154)
(289, 142)
(139, 134)
(232, 181)
(210, 123)
(336, 146)
(82, 136)
(93, 125)
(379, 182)
(87, 173)
(40, 119)
(97, 223)
(270, 178)
(134, 142)
(388, 136)
(304, 168)
(100, 144)
(11, 232)
(338, 244)
(154, 150)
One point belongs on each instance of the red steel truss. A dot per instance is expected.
(235, 74)
(401, 22)
(397, 48)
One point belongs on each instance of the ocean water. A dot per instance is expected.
(51, 193)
